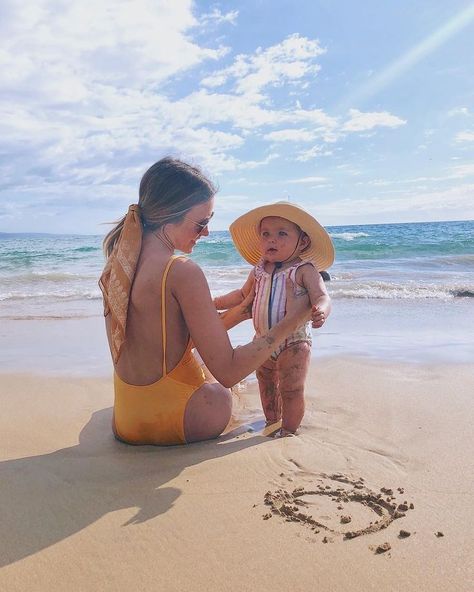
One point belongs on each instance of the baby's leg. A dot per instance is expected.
(293, 363)
(267, 376)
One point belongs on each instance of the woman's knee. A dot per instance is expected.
(222, 402)
(207, 413)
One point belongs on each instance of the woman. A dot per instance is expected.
(158, 306)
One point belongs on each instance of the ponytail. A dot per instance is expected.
(112, 237)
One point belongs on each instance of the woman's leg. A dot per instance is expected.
(207, 413)
(293, 364)
(267, 376)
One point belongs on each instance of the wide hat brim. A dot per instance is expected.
(245, 232)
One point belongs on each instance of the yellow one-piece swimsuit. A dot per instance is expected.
(154, 413)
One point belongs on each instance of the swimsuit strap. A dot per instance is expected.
(163, 306)
(293, 269)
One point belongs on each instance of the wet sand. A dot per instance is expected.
(421, 331)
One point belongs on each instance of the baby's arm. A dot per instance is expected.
(235, 297)
(310, 278)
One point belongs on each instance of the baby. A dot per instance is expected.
(282, 241)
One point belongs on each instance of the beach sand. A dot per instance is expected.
(81, 511)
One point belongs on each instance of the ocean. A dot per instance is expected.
(403, 271)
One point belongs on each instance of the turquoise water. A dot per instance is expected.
(56, 275)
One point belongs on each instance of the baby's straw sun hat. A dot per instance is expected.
(245, 232)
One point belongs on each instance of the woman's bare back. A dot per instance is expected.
(141, 360)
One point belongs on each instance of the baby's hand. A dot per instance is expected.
(318, 317)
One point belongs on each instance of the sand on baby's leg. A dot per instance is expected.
(267, 376)
(293, 365)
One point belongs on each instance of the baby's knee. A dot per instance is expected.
(264, 372)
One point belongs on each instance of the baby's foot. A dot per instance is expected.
(270, 422)
(271, 427)
(284, 433)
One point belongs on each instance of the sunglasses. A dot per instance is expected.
(201, 225)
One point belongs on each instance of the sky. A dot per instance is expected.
(361, 112)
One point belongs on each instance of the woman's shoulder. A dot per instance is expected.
(185, 273)
(182, 264)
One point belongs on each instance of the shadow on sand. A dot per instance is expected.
(46, 498)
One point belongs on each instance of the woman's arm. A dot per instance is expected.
(209, 335)
(241, 312)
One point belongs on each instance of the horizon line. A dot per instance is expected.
(36, 233)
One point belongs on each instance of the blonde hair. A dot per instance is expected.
(168, 189)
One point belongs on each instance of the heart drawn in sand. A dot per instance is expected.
(344, 506)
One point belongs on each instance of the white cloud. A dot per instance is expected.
(459, 171)
(63, 47)
(244, 111)
(202, 107)
(82, 91)
(349, 169)
(92, 93)
(290, 135)
(449, 204)
(325, 128)
(453, 172)
(310, 154)
(360, 121)
(253, 164)
(80, 80)
(232, 202)
(458, 111)
(216, 17)
(291, 60)
(466, 136)
(463, 170)
(376, 183)
(315, 117)
(305, 180)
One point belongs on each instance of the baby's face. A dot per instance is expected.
(278, 239)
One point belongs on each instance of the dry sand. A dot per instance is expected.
(83, 512)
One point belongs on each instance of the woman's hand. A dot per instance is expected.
(242, 312)
(297, 306)
(246, 305)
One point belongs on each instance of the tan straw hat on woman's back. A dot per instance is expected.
(245, 232)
